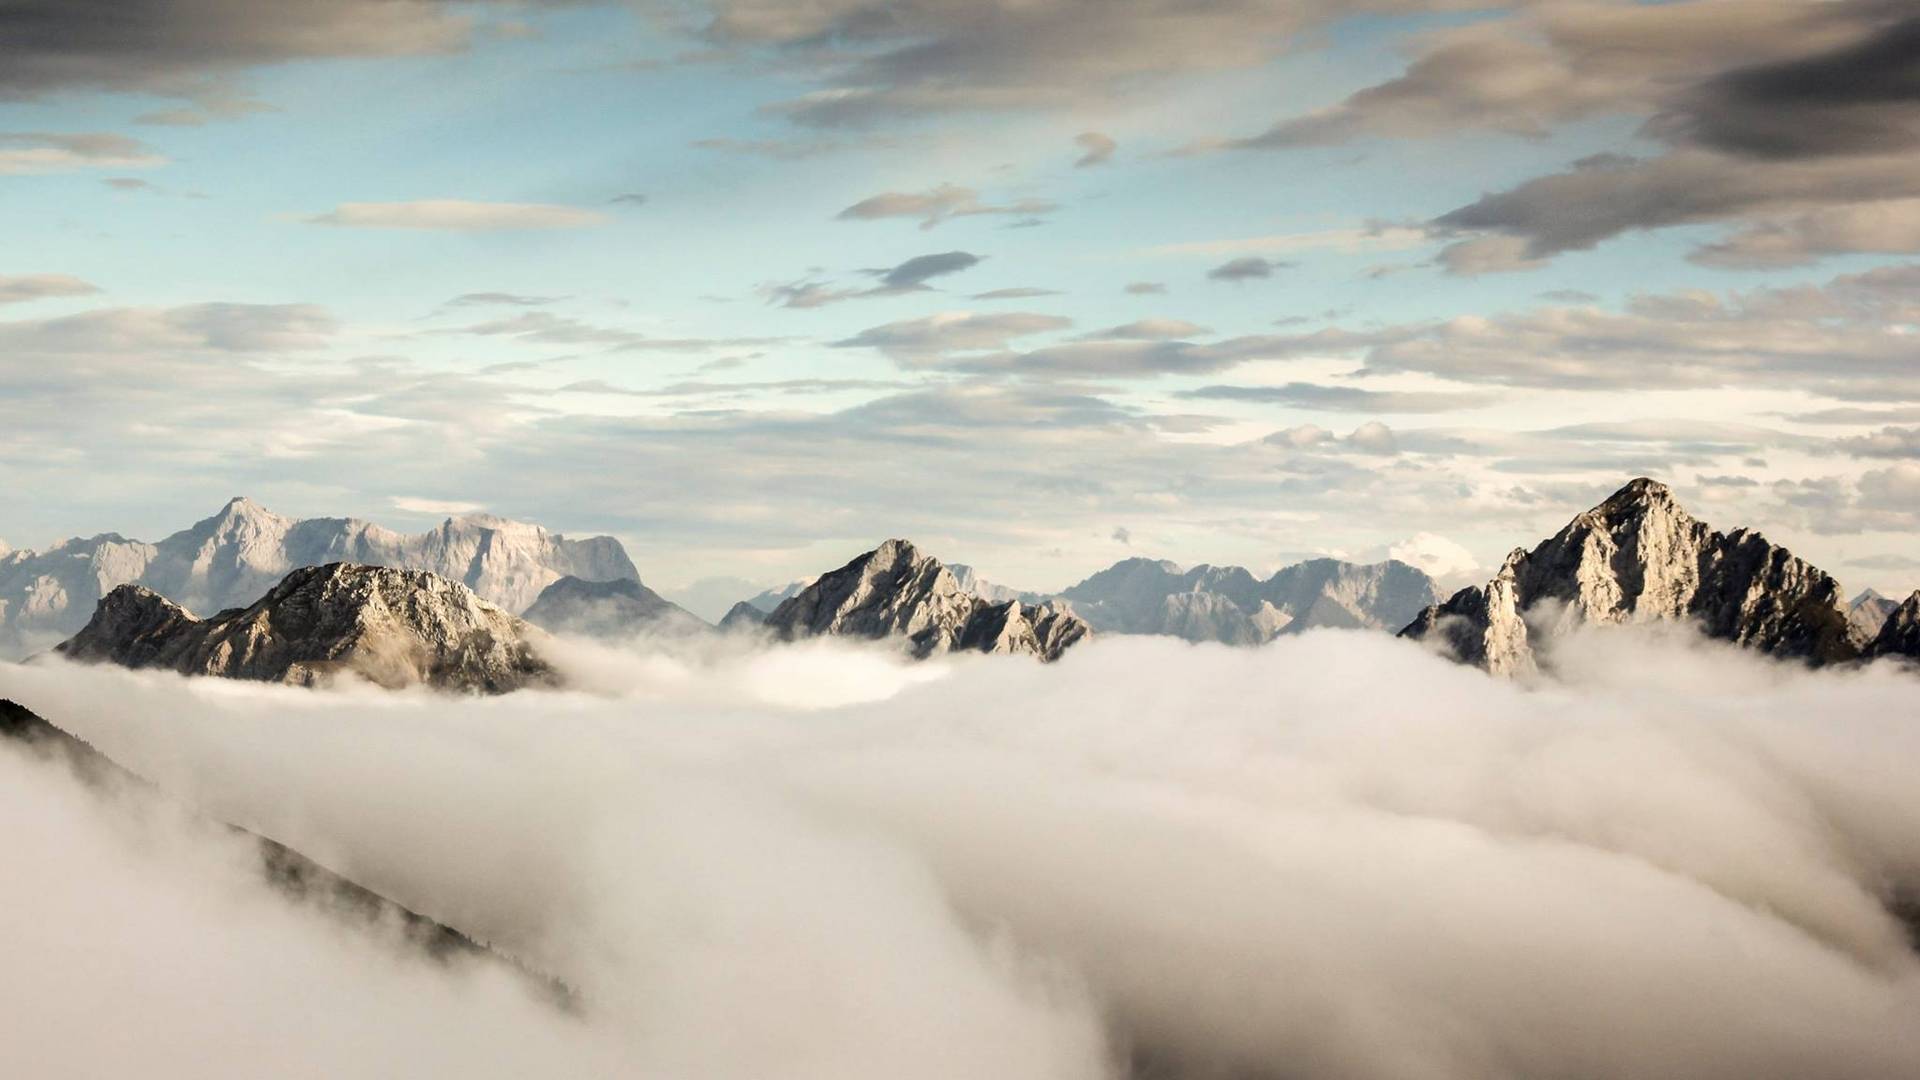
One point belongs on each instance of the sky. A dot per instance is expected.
(1039, 284)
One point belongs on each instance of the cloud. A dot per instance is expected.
(1347, 398)
(35, 153)
(1122, 535)
(631, 198)
(502, 299)
(1657, 866)
(1435, 554)
(1372, 237)
(937, 205)
(794, 149)
(909, 276)
(1025, 292)
(220, 326)
(1149, 330)
(917, 342)
(1246, 268)
(1097, 149)
(1888, 442)
(20, 288)
(416, 505)
(1145, 288)
(457, 215)
(185, 50)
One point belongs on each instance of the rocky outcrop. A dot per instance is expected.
(613, 610)
(1638, 557)
(1867, 614)
(895, 591)
(1899, 632)
(394, 628)
(1229, 604)
(230, 559)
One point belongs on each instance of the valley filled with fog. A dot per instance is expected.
(1336, 855)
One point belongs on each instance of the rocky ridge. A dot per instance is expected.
(231, 558)
(1635, 558)
(895, 591)
(1229, 604)
(394, 628)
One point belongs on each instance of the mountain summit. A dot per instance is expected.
(395, 628)
(231, 558)
(1639, 557)
(1229, 604)
(895, 591)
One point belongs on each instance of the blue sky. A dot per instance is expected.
(387, 259)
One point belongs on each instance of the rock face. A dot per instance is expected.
(395, 628)
(1228, 604)
(618, 609)
(895, 591)
(1639, 557)
(231, 558)
(764, 602)
(1867, 614)
(1899, 632)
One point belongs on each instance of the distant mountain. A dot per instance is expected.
(1228, 604)
(230, 559)
(1639, 557)
(395, 628)
(617, 609)
(742, 616)
(1899, 632)
(1867, 613)
(895, 591)
(970, 581)
(769, 599)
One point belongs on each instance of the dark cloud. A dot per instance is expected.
(1246, 268)
(19, 288)
(503, 299)
(1149, 330)
(909, 276)
(1023, 292)
(33, 152)
(917, 271)
(1145, 288)
(926, 341)
(631, 198)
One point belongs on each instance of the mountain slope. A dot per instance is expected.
(395, 628)
(1228, 604)
(1639, 557)
(895, 591)
(231, 558)
(1867, 613)
(622, 608)
(1899, 632)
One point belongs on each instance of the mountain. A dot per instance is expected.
(769, 599)
(742, 616)
(894, 591)
(230, 559)
(970, 580)
(1639, 557)
(622, 608)
(1228, 604)
(1867, 614)
(1899, 632)
(395, 628)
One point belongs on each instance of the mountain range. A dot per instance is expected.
(1228, 604)
(1638, 557)
(233, 557)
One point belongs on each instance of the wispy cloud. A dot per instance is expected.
(457, 215)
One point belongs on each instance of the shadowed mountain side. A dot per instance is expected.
(618, 609)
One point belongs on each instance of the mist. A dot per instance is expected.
(1335, 856)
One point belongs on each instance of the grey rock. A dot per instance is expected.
(232, 558)
(395, 628)
(1228, 604)
(617, 609)
(769, 599)
(1899, 632)
(895, 591)
(1638, 557)
(1867, 613)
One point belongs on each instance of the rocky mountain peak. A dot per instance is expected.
(895, 591)
(621, 608)
(1639, 557)
(395, 628)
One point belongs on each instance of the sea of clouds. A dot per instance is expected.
(1336, 856)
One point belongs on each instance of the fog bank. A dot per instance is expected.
(1335, 856)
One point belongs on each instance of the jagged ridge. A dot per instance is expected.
(395, 628)
(894, 590)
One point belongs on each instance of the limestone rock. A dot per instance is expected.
(1899, 633)
(1867, 614)
(1638, 557)
(895, 591)
(395, 628)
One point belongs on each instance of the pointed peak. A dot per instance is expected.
(897, 548)
(1640, 491)
(1866, 596)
